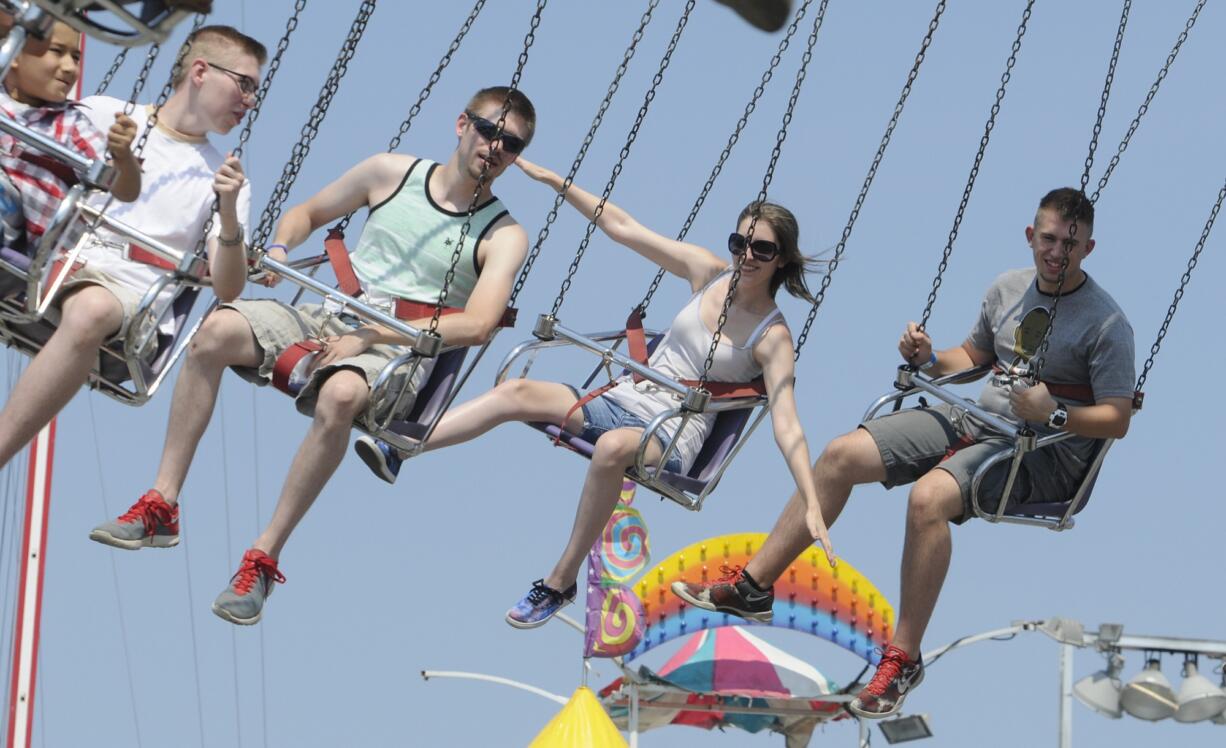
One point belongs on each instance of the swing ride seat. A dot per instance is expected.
(736, 418)
(124, 25)
(1054, 515)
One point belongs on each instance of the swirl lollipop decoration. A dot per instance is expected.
(615, 618)
(624, 550)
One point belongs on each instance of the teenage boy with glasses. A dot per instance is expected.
(417, 209)
(182, 174)
(1090, 365)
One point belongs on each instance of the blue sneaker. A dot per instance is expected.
(383, 459)
(539, 605)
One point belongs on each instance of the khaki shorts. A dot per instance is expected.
(128, 297)
(915, 441)
(277, 326)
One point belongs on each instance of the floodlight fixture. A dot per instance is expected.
(1199, 699)
(1101, 691)
(904, 729)
(1110, 633)
(1149, 695)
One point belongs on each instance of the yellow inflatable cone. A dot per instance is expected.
(582, 723)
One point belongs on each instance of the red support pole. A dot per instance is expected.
(30, 590)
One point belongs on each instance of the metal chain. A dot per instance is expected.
(529, 39)
(983, 146)
(117, 63)
(1183, 283)
(253, 114)
(583, 148)
(1040, 355)
(833, 265)
(298, 154)
(732, 141)
(426, 91)
(167, 88)
(780, 137)
(1153, 91)
(656, 80)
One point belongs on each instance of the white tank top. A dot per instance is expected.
(681, 355)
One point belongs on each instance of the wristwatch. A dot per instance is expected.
(1058, 418)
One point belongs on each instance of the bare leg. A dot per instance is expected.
(601, 488)
(224, 340)
(935, 501)
(341, 398)
(90, 316)
(513, 400)
(849, 460)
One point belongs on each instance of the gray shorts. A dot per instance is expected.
(277, 326)
(913, 442)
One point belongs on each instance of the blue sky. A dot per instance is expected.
(386, 581)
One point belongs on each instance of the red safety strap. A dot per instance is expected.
(137, 253)
(57, 268)
(289, 358)
(1081, 392)
(406, 309)
(636, 346)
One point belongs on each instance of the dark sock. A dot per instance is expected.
(750, 580)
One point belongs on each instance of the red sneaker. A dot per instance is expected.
(242, 602)
(149, 523)
(896, 676)
(731, 593)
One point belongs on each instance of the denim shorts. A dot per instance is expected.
(601, 415)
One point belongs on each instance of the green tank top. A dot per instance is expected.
(407, 243)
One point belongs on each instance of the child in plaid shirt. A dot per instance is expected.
(36, 95)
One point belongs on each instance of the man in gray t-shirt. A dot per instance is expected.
(1086, 389)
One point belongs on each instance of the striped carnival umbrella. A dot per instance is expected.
(727, 676)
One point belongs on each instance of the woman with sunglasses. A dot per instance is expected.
(755, 342)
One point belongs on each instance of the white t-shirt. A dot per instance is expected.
(175, 198)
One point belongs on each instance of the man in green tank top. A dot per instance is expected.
(417, 209)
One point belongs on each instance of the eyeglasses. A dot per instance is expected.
(247, 85)
(761, 249)
(512, 144)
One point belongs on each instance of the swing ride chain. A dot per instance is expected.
(780, 137)
(164, 94)
(1149, 97)
(1040, 353)
(656, 80)
(298, 154)
(732, 141)
(983, 146)
(253, 114)
(1183, 283)
(868, 179)
(426, 91)
(529, 39)
(117, 63)
(583, 148)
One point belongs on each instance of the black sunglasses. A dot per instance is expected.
(510, 143)
(246, 84)
(761, 249)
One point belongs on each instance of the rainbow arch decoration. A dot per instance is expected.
(838, 604)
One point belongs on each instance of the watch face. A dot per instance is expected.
(1058, 417)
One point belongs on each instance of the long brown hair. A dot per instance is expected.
(791, 271)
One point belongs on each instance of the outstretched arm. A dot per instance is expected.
(775, 354)
(688, 261)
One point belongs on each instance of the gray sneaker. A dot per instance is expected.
(149, 523)
(243, 601)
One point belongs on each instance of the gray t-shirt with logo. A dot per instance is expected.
(1091, 343)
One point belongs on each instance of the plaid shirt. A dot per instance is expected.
(42, 181)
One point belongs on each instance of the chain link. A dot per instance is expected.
(1183, 284)
(656, 80)
(732, 141)
(833, 265)
(426, 91)
(529, 39)
(983, 146)
(298, 154)
(769, 176)
(167, 88)
(1153, 91)
(583, 148)
(117, 63)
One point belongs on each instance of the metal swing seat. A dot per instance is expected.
(1055, 514)
(124, 23)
